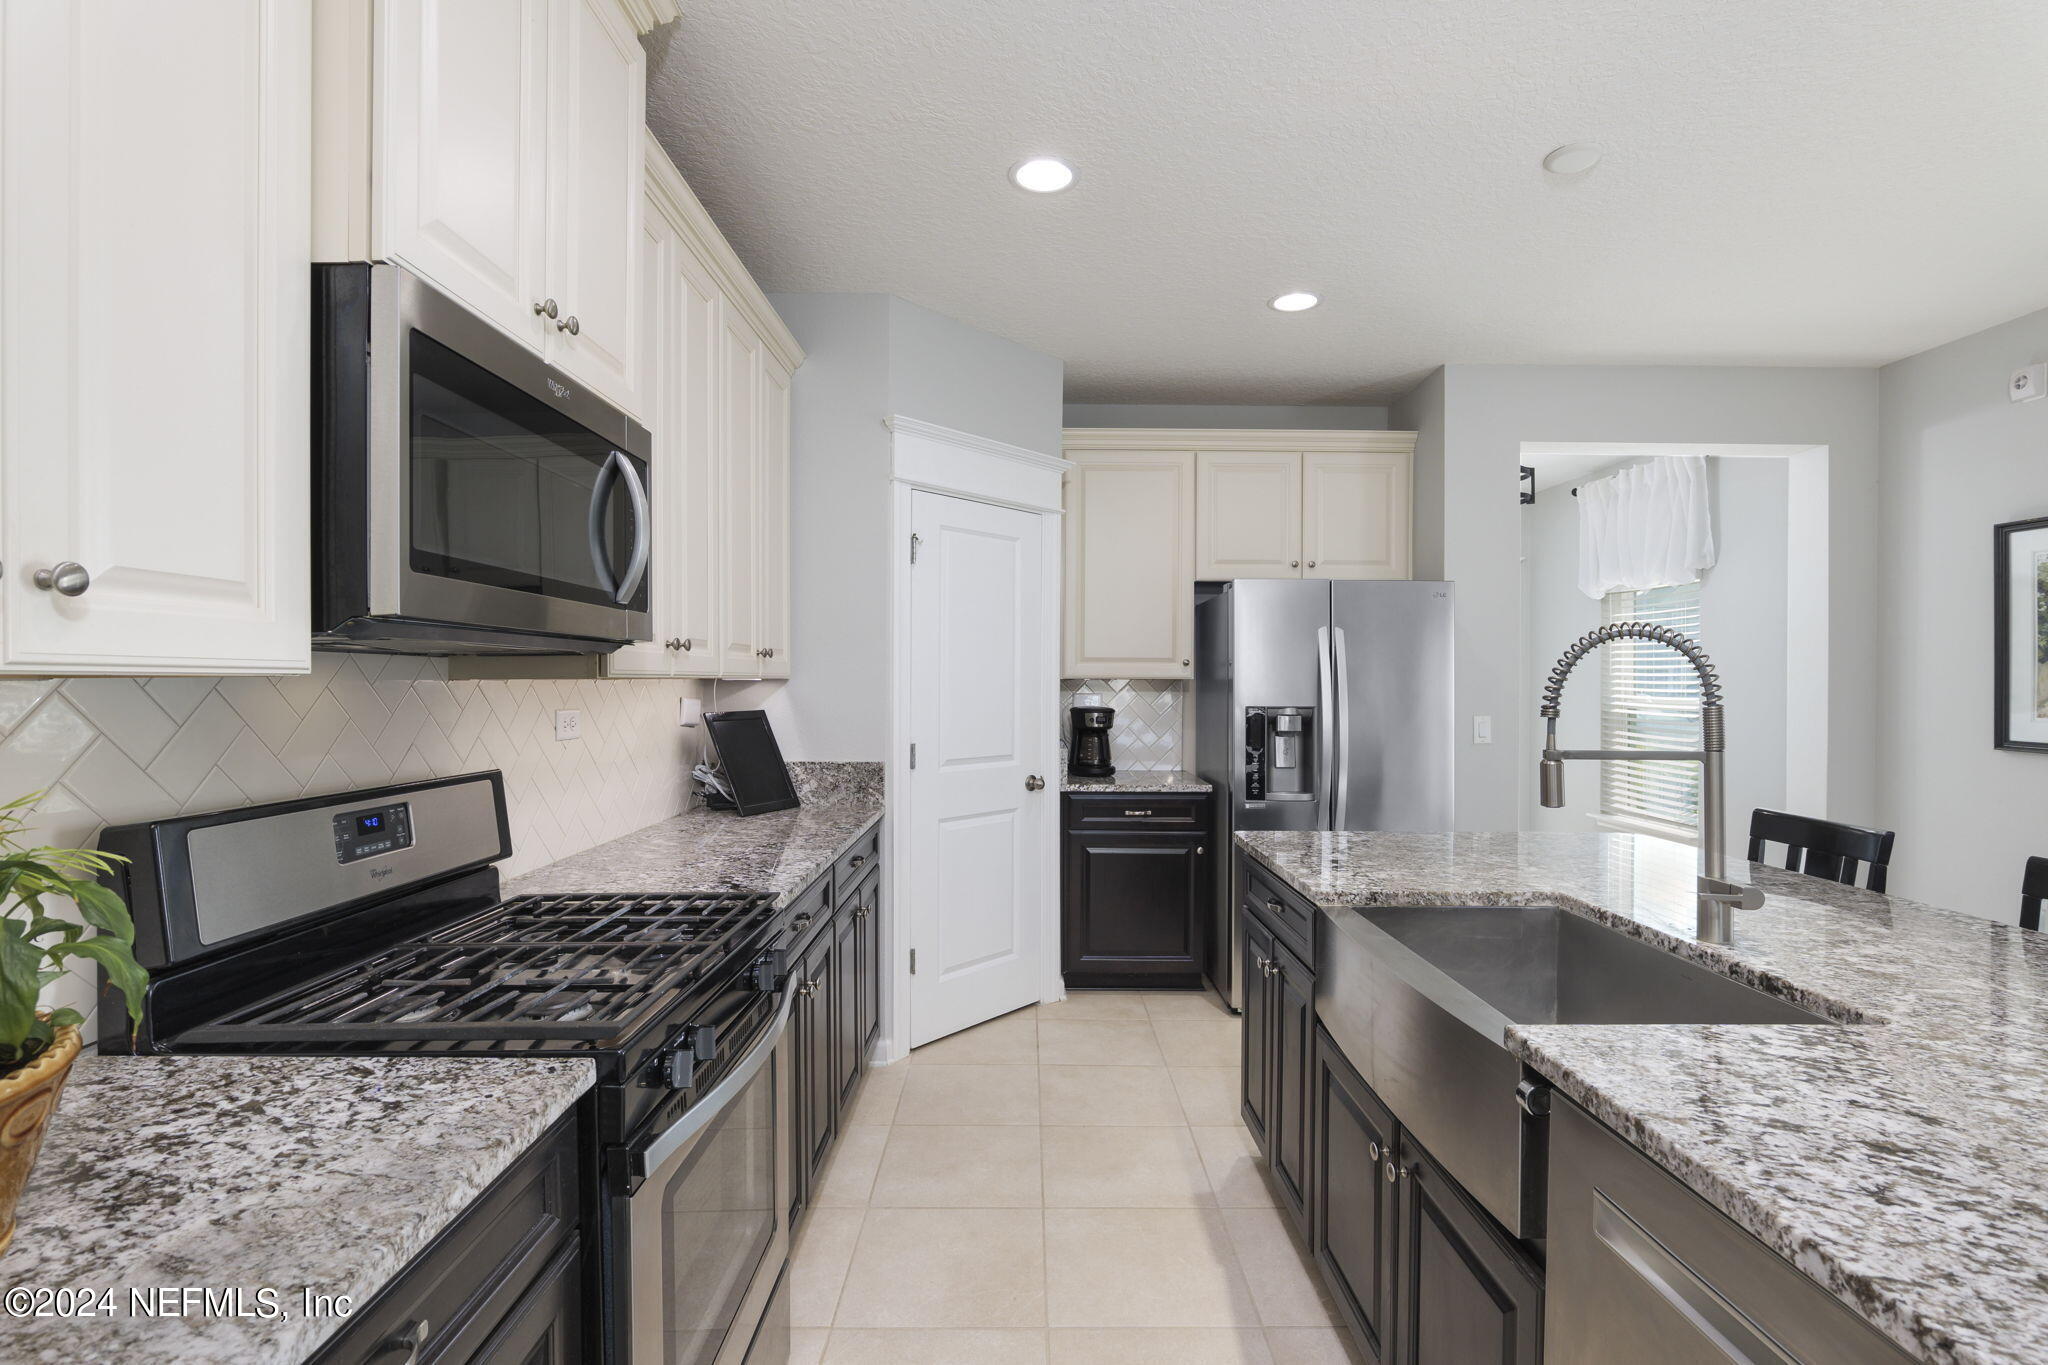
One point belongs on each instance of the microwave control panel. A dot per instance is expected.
(366, 833)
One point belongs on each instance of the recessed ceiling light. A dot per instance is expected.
(1295, 302)
(1574, 158)
(1042, 174)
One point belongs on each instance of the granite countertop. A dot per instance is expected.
(1130, 781)
(287, 1173)
(1895, 1160)
(781, 852)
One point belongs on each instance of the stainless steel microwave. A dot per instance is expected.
(468, 497)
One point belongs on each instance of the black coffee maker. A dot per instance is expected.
(1088, 749)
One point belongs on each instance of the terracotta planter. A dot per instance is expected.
(27, 1099)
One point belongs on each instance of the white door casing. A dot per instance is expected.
(154, 236)
(977, 640)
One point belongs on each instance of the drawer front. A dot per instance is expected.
(808, 914)
(855, 862)
(459, 1293)
(1290, 917)
(1154, 812)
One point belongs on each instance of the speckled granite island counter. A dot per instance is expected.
(329, 1173)
(781, 852)
(1129, 782)
(1896, 1161)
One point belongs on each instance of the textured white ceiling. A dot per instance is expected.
(1818, 182)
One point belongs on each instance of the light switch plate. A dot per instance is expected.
(2029, 383)
(568, 725)
(1482, 729)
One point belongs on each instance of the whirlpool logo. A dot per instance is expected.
(377, 872)
(558, 390)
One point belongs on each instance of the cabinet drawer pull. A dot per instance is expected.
(859, 860)
(1274, 907)
(802, 921)
(402, 1347)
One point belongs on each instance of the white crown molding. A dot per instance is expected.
(1223, 438)
(648, 15)
(911, 426)
(686, 213)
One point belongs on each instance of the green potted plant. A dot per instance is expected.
(53, 911)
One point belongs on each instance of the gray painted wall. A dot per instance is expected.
(953, 375)
(1489, 410)
(1234, 416)
(868, 357)
(1421, 410)
(1742, 625)
(1959, 457)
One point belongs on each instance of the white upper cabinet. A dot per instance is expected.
(1356, 510)
(1130, 564)
(716, 374)
(1248, 514)
(460, 170)
(154, 334)
(597, 101)
(772, 452)
(494, 146)
(739, 498)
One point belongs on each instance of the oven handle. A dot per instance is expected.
(645, 1161)
(620, 590)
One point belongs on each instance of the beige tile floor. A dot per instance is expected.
(1068, 1184)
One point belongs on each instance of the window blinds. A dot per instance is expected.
(1650, 699)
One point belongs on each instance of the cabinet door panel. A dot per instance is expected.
(869, 905)
(155, 200)
(1130, 907)
(1465, 1295)
(1248, 514)
(739, 497)
(462, 155)
(1291, 1047)
(846, 993)
(1258, 1032)
(596, 105)
(696, 562)
(1130, 604)
(1355, 1208)
(819, 1116)
(774, 543)
(1355, 515)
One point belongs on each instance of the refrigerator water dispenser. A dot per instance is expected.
(1279, 753)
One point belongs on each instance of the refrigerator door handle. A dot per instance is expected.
(1326, 729)
(1340, 741)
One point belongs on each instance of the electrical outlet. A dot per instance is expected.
(2029, 383)
(689, 710)
(1482, 729)
(568, 725)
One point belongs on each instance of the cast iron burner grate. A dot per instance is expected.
(533, 967)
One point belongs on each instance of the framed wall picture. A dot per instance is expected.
(2021, 563)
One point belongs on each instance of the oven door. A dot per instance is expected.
(708, 1228)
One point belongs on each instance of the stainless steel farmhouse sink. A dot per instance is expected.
(1546, 966)
(1420, 1001)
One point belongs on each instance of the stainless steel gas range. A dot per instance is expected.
(372, 921)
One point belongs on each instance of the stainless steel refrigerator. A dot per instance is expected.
(1320, 705)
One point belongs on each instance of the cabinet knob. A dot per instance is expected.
(1372, 1151)
(768, 653)
(1388, 1169)
(569, 325)
(684, 644)
(1293, 563)
(1311, 563)
(1199, 850)
(68, 578)
(677, 644)
(1185, 663)
(859, 860)
(546, 308)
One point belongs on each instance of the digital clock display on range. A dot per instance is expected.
(369, 833)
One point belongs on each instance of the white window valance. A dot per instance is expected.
(1645, 527)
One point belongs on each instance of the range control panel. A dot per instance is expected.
(366, 833)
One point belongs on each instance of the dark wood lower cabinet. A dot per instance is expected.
(1356, 1205)
(818, 1070)
(837, 976)
(1259, 1067)
(1136, 894)
(1464, 1293)
(1293, 1043)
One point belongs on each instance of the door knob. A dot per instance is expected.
(1034, 783)
(569, 325)
(546, 308)
(68, 578)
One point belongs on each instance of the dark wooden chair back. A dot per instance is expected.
(2033, 890)
(1822, 848)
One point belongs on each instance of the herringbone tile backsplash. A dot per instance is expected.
(1151, 721)
(115, 750)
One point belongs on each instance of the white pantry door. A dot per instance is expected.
(978, 646)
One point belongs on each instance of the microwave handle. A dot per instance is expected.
(600, 557)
